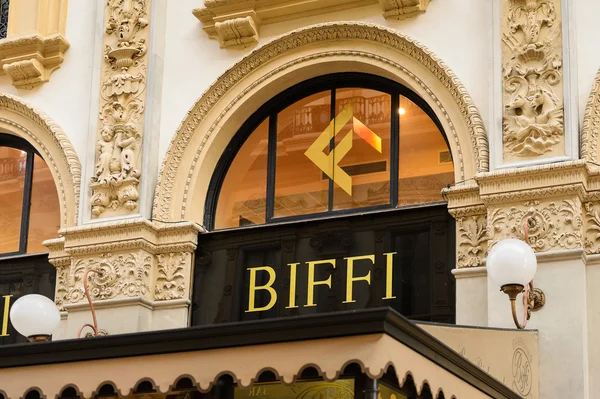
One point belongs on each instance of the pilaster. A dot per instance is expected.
(117, 174)
(144, 277)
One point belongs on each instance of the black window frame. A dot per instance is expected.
(7, 140)
(288, 97)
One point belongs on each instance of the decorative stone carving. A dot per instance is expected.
(117, 171)
(237, 22)
(402, 9)
(121, 275)
(472, 240)
(170, 283)
(532, 75)
(592, 230)
(173, 188)
(590, 131)
(30, 60)
(552, 225)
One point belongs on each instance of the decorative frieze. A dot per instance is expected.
(136, 259)
(550, 225)
(533, 123)
(117, 169)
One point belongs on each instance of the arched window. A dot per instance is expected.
(339, 144)
(29, 208)
(354, 164)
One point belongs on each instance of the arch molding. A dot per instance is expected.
(22, 120)
(289, 59)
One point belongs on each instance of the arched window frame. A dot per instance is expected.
(7, 140)
(278, 103)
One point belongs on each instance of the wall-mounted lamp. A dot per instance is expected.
(512, 264)
(35, 316)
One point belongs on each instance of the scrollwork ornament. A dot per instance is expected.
(550, 226)
(120, 275)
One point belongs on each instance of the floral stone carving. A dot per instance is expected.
(551, 226)
(121, 275)
(170, 283)
(532, 79)
(472, 242)
(115, 183)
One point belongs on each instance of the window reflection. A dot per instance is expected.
(44, 215)
(12, 180)
(300, 187)
(367, 162)
(424, 157)
(29, 207)
(336, 150)
(243, 193)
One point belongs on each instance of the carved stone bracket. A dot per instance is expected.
(238, 22)
(402, 9)
(532, 79)
(30, 60)
(117, 171)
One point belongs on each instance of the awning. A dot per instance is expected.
(374, 339)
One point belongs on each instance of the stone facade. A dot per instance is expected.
(504, 101)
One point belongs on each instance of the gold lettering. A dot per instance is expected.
(310, 301)
(5, 316)
(389, 275)
(267, 287)
(350, 279)
(293, 267)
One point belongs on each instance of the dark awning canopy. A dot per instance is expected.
(375, 339)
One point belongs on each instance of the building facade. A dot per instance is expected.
(211, 167)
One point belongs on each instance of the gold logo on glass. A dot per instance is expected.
(329, 163)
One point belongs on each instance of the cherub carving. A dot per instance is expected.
(104, 151)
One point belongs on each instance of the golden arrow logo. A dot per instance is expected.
(328, 163)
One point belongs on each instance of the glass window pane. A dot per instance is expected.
(362, 148)
(425, 163)
(301, 187)
(44, 213)
(12, 178)
(242, 200)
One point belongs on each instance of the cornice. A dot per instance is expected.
(563, 178)
(238, 22)
(30, 60)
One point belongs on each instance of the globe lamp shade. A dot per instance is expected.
(511, 262)
(35, 316)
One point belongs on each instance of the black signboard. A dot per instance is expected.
(401, 258)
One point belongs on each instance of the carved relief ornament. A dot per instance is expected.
(533, 124)
(117, 170)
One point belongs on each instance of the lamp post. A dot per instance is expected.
(35, 316)
(512, 264)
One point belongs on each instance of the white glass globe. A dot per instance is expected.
(34, 315)
(511, 261)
